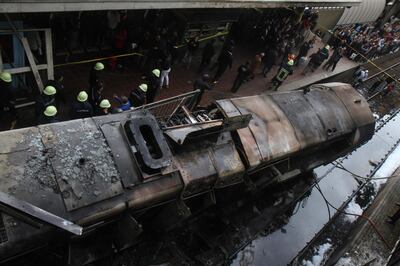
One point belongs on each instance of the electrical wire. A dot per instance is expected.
(326, 202)
(340, 166)
(372, 223)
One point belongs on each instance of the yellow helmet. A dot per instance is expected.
(50, 111)
(82, 96)
(6, 77)
(49, 90)
(143, 87)
(105, 104)
(156, 72)
(99, 66)
(290, 62)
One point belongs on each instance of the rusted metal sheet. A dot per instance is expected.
(302, 116)
(268, 125)
(82, 162)
(197, 171)
(246, 136)
(227, 161)
(331, 111)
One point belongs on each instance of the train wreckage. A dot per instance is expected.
(158, 165)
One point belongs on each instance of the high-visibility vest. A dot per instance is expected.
(282, 74)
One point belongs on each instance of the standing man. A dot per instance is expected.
(153, 85)
(191, 49)
(96, 94)
(334, 59)
(243, 74)
(283, 73)
(165, 70)
(81, 108)
(304, 51)
(224, 60)
(269, 60)
(7, 98)
(57, 83)
(138, 95)
(202, 84)
(208, 53)
(95, 74)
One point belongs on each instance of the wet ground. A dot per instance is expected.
(337, 186)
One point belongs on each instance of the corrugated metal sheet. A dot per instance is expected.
(368, 11)
(17, 6)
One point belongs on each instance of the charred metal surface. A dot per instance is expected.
(197, 171)
(181, 134)
(129, 171)
(30, 210)
(227, 162)
(83, 166)
(246, 137)
(120, 171)
(145, 131)
(303, 117)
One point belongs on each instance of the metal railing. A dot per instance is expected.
(163, 110)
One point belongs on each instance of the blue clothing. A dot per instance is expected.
(123, 106)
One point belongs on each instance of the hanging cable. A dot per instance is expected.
(340, 166)
(372, 223)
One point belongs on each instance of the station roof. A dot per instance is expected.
(20, 6)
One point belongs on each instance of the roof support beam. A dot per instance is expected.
(21, 6)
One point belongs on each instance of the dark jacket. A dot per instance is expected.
(81, 110)
(42, 102)
(208, 51)
(153, 84)
(226, 59)
(243, 72)
(47, 119)
(304, 49)
(137, 97)
(269, 57)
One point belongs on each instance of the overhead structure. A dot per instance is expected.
(367, 11)
(20, 6)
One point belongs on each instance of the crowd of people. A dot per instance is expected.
(285, 40)
(368, 41)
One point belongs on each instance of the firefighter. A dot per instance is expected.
(153, 83)
(7, 98)
(243, 74)
(138, 95)
(104, 107)
(81, 108)
(283, 73)
(48, 116)
(46, 99)
(94, 77)
(57, 83)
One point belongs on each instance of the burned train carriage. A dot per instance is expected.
(67, 180)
